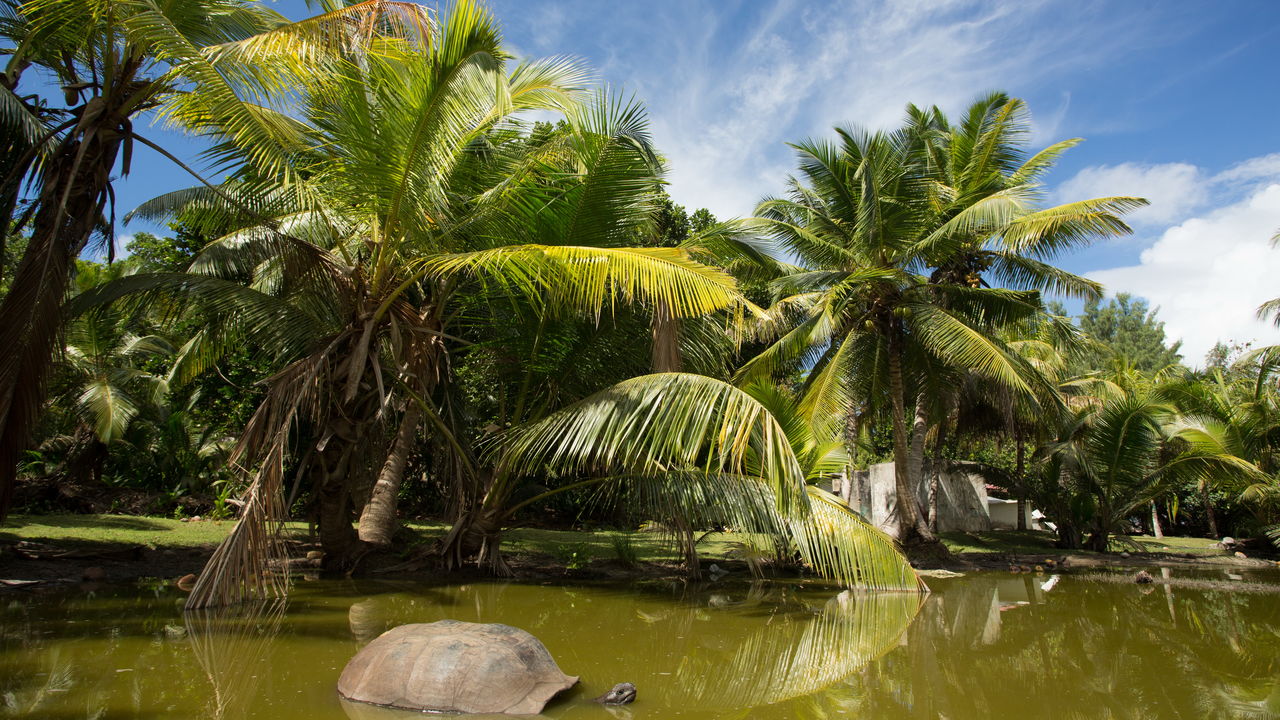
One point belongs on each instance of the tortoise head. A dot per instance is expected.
(621, 694)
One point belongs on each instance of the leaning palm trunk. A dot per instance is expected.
(378, 520)
(912, 530)
(71, 202)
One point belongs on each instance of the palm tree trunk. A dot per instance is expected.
(1069, 536)
(1100, 536)
(911, 528)
(919, 430)
(666, 340)
(378, 520)
(1020, 474)
(851, 444)
(689, 549)
(476, 535)
(338, 538)
(1208, 511)
(1156, 530)
(935, 475)
(70, 206)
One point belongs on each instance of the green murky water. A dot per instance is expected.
(982, 646)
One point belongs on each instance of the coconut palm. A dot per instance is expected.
(116, 60)
(414, 199)
(919, 247)
(1241, 400)
(1121, 448)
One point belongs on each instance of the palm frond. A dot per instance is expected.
(592, 280)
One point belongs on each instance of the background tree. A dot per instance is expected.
(1119, 448)
(918, 250)
(1128, 332)
(115, 60)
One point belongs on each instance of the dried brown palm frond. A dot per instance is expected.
(245, 563)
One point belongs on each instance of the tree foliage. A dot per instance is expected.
(1126, 333)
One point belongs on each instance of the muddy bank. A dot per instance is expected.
(28, 566)
(1021, 562)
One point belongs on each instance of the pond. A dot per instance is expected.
(987, 645)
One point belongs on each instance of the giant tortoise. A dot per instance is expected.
(452, 666)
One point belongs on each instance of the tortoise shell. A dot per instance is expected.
(452, 666)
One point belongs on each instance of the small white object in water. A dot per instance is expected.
(1050, 583)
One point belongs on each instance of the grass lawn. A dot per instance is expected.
(73, 530)
(566, 545)
(1031, 542)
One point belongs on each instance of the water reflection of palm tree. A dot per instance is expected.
(231, 644)
(793, 658)
(790, 649)
(1100, 650)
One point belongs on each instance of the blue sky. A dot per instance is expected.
(1177, 101)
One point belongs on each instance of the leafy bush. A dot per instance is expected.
(625, 550)
(574, 556)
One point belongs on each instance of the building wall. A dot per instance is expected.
(962, 498)
(1004, 515)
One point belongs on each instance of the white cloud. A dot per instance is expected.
(722, 112)
(1209, 273)
(548, 24)
(1253, 169)
(1174, 189)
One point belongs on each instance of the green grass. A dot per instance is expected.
(649, 546)
(1032, 542)
(1194, 545)
(84, 530)
(80, 530)
(112, 529)
(1000, 541)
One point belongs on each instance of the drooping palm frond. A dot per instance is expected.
(245, 565)
(676, 436)
(655, 423)
(956, 342)
(843, 546)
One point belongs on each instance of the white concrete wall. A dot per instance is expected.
(1004, 515)
(962, 498)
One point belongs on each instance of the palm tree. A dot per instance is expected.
(413, 199)
(900, 236)
(115, 60)
(105, 379)
(1240, 401)
(1119, 449)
